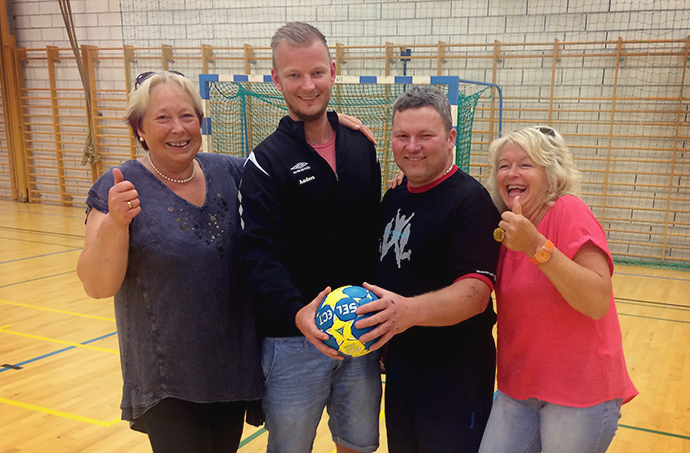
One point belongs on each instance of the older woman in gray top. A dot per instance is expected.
(161, 237)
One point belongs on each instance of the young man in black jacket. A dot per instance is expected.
(309, 204)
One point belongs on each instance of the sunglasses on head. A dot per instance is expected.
(546, 130)
(144, 76)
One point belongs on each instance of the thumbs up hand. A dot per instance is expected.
(517, 209)
(520, 232)
(123, 199)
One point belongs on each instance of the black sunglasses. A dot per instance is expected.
(546, 130)
(144, 76)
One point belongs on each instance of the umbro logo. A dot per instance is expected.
(300, 167)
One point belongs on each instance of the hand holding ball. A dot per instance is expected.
(336, 316)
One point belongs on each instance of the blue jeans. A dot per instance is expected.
(300, 381)
(532, 426)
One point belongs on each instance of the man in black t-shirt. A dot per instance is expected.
(436, 271)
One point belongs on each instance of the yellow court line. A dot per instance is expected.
(45, 410)
(52, 340)
(57, 311)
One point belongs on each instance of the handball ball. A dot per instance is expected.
(336, 316)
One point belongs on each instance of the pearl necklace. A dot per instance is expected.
(449, 169)
(178, 181)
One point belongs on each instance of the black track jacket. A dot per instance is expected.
(305, 227)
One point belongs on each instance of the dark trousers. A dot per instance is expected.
(440, 403)
(176, 426)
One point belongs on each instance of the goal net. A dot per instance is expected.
(243, 110)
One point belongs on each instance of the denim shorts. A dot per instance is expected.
(532, 426)
(300, 381)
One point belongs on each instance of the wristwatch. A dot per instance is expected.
(543, 253)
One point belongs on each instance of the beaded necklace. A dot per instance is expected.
(178, 181)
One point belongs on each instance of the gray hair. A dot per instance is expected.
(139, 99)
(425, 96)
(297, 34)
(546, 147)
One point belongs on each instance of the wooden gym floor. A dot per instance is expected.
(60, 379)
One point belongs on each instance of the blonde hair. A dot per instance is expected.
(140, 97)
(546, 147)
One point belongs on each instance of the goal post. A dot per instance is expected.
(241, 110)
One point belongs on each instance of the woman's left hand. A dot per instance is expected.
(354, 123)
(520, 234)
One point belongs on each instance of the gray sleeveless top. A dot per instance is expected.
(185, 327)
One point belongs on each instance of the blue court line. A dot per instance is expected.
(35, 359)
(654, 431)
(655, 319)
(37, 242)
(262, 430)
(653, 276)
(37, 278)
(46, 214)
(42, 232)
(40, 256)
(650, 304)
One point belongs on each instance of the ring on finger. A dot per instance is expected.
(129, 203)
(499, 234)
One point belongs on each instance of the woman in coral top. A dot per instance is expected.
(561, 373)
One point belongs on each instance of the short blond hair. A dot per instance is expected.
(140, 96)
(546, 147)
(297, 34)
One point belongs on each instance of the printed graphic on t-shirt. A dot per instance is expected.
(396, 235)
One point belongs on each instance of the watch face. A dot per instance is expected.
(542, 255)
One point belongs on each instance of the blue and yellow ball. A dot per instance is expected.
(336, 316)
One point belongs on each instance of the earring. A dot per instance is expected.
(141, 139)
